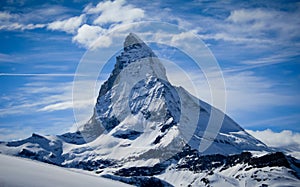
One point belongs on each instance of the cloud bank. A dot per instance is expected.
(286, 140)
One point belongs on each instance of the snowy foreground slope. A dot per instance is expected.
(17, 172)
(147, 132)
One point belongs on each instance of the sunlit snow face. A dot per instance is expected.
(156, 99)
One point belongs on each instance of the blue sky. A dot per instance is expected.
(257, 45)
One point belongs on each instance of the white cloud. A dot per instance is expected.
(105, 16)
(68, 25)
(115, 12)
(88, 34)
(286, 140)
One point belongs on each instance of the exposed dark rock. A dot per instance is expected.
(128, 134)
(141, 171)
(140, 181)
(273, 159)
(157, 139)
(92, 165)
(205, 181)
(73, 138)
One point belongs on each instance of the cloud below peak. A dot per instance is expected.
(284, 140)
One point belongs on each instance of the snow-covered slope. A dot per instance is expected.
(145, 131)
(17, 172)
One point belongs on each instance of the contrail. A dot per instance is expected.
(41, 74)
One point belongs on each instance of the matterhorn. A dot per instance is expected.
(146, 132)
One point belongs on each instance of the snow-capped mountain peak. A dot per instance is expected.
(146, 131)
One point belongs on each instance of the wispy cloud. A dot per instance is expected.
(45, 96)
(34, 18)
(272, 59)
(249, 26)
(18, 130)
(245, 90)
(249, 37)
(14, 133)
(9, 22)
(6, 16)
(20, 26)
(261, 22)
(6, 58)
(30, 98)
(278, 121)
(34, 56)
(58, 106)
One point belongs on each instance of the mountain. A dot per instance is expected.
(147, 132)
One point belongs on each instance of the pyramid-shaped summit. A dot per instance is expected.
(147, 132)
(132, 39)
(134, 49)
(138, 87)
